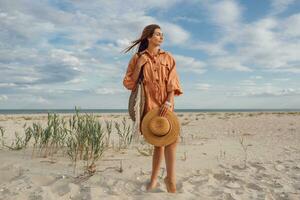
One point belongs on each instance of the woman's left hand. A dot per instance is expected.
(163, 110)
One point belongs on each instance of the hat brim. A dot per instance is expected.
(167, 139)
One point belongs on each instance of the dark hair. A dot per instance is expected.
(142, 41)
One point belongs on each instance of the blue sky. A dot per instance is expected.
(229, 54)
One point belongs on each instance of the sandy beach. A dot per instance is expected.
(238, 155)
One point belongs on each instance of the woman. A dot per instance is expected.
(161, 84)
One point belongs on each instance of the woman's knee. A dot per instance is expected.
(157, 148)
(174, 144)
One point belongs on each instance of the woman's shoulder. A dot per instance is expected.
(134, 57)
(169, 55)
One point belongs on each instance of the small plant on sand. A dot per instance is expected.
(95, 145)
(36, 131)
(145, 149)
(18, 143)
(85, 141)
(2, 138)
(108, 125)
(53, 137)
(245, 149)
(125, 134)
(49, 139)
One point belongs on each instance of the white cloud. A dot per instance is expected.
(269, 43)
(3, 98)
(53, 53)
(229, 62)
(212, 49)
(247, 83)
(7, 85)
(58, 46)
(187, 19)
(270, 93)
(256, 77)
(175, 34)
(30, 99)
(281, 79)
(77, 80)
(203, 86)
(279, 6)
(66, 57)
(189, 64)
(110, 91)
(248, 88)
(291, 27)
(226, 14)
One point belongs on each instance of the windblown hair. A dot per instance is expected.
(143, 41)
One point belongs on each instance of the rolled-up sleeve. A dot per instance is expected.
(173, 80)
(128, 80)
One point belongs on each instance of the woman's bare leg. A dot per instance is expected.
(158, 155)
(170, 157)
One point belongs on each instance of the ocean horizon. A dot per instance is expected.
(41, 111)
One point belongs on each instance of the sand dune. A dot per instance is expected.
(220, 156)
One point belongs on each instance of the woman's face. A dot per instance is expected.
(157, 38)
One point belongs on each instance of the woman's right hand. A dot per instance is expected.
(141, 60)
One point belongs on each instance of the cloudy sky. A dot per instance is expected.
(229, 54)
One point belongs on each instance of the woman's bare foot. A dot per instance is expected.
(152, 185)
(171, 185)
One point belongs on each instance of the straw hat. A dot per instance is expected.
(158, 130)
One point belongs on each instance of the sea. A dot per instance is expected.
(45, 111)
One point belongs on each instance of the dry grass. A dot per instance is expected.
(124, 131)
(245, 149)
(81, 137)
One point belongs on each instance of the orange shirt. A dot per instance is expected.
(160, 77)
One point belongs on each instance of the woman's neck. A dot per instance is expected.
(153, 49)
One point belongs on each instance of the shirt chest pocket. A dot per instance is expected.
(165, 68)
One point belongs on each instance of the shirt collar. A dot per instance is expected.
(160, 51)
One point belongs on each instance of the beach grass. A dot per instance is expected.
(124, 131)
(83, 137)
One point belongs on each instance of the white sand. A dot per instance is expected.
(209, 163)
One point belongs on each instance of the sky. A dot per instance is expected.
(229, 54)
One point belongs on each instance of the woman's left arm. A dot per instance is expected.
(173, 84)
(170, 97)
(173, 88)
(165, 106)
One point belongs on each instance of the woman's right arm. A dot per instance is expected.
(133, 71)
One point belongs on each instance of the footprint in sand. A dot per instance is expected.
(198, 179)
(279, 167)
(296, 168)
(42, 180)
(233, 185)
(257, 166)
(272, 184)
(63, 186)
(216, 193)
(296, 187)
(228, 196)
(185, 187)
(262, 176)
(253, 186)
(224, 177)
